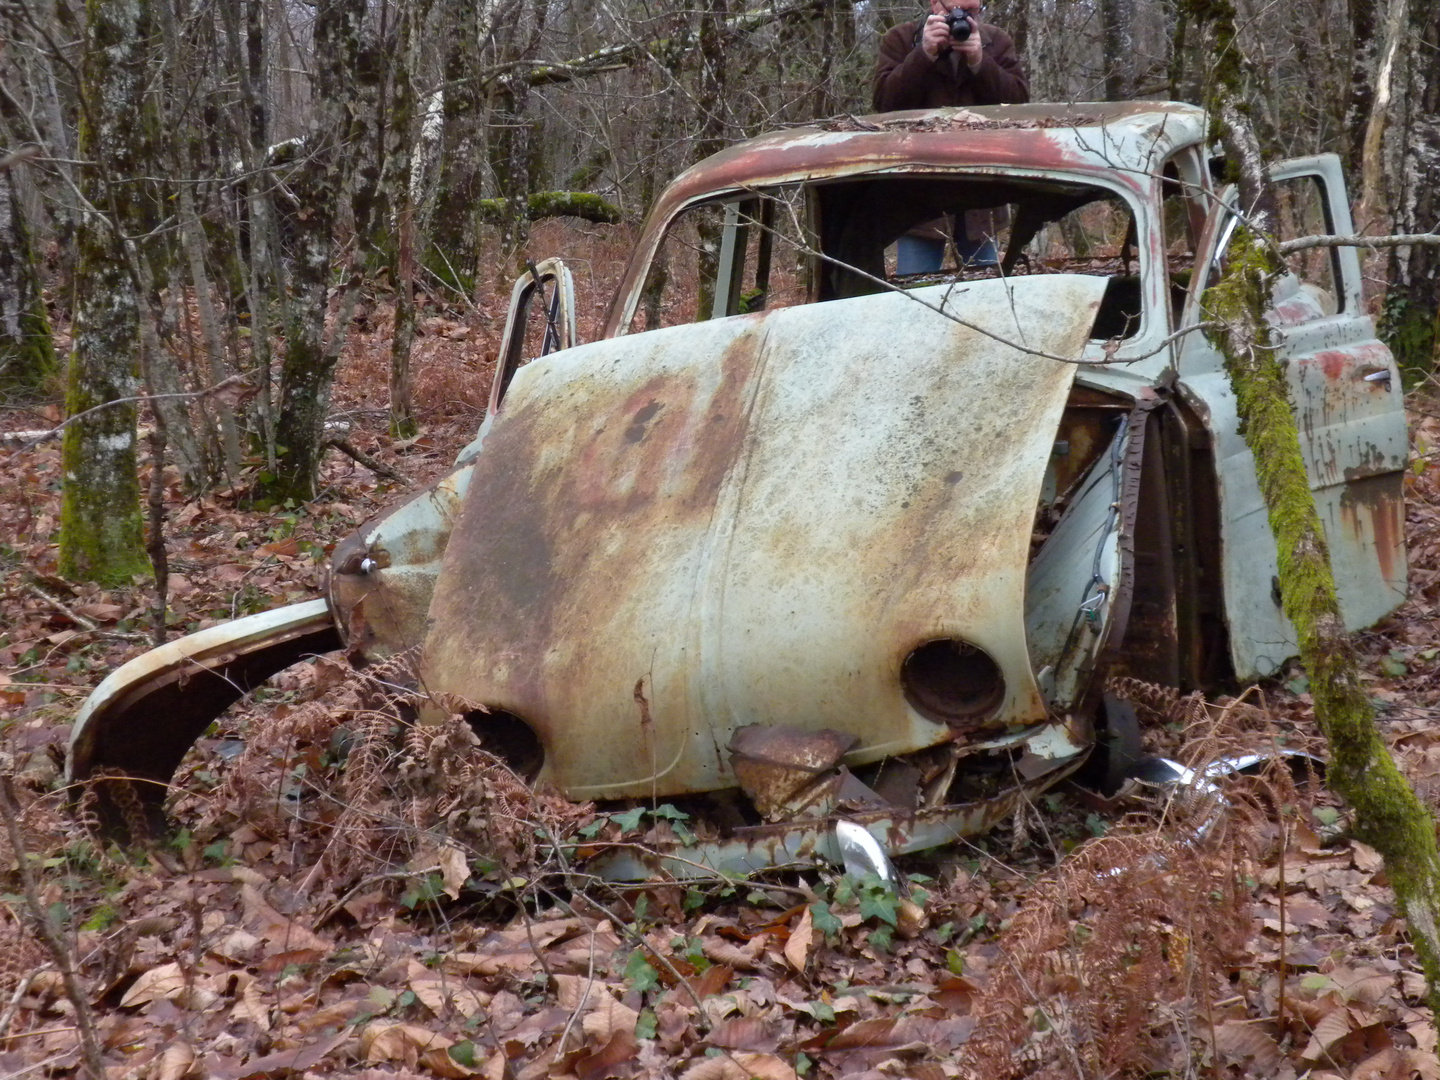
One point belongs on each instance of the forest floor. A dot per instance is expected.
(421, 913)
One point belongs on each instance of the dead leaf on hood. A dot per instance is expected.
(438, 1060)
(1240, 1042)
(477, 963)
(1328, 1030)
(597, 1064)
(275, 928)
(283, 1062)
(720, 951)
(742, 1033)
(454, 870)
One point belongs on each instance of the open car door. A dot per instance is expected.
(1349, 409)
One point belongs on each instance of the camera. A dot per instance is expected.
(959, 23)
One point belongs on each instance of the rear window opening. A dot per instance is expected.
(806, 243)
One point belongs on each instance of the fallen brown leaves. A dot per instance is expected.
(370, 922)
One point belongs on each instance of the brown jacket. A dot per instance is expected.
(905, 78)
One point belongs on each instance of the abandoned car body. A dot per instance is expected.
(864, 548)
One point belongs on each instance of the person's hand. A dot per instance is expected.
(970, 50)
(935, 38)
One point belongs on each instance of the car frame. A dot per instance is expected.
(872, 556)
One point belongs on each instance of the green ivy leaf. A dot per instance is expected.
(639, 974)
(879, 904)
(629, 821)
(823, 919)
(647, 1024)
(463, 1052)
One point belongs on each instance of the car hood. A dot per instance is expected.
(671, 535)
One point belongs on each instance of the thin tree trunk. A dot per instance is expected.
(1411, 325)
(319, 182)
(1362, 84)
(1117, 19)
(101, 537)
(404, 133)
(27, 349)
(1372, 165)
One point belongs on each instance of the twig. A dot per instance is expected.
(223, 384)
(13, 1005)
(89, 1045)
(78, 620)
(155, 545)
(364, 883)
(1280, 999)
(1301, 243)
(379, 468)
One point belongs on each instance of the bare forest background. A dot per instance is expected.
(207, 195)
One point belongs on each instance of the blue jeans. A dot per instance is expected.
(924, 255)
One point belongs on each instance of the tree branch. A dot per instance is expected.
(1301, 243)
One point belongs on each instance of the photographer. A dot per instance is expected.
(952, 58)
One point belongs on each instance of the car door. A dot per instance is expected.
(1349, 410)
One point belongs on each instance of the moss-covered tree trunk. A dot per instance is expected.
(27, 350)
(101, 537)
(1387, 814)
(318, 183)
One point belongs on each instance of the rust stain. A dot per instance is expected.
(1374, 506)
(525, 537)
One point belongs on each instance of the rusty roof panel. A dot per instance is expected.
(754, 520)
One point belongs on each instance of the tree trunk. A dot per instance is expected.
(27, 350)
(1411, 325)
(101, 537)
(318, 183)
(1117, 19)
(1387, 814)
(404, 134)
(1361, 98)
(712, 97)
(447, 199)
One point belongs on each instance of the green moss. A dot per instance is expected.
(545, 204)
(1388, 815)
(1413, 334)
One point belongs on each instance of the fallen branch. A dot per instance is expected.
(1301, 243)
(13, 1005)
(60, 606)
(379, 468)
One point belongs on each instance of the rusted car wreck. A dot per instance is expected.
(851, 546)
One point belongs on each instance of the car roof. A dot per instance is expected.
(1129, 137)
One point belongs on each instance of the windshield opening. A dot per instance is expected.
(799, 243)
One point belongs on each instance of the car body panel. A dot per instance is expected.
(754, 520)
(1352, 434)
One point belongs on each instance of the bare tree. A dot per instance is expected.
(101, 538)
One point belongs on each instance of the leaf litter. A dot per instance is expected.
(351, 896)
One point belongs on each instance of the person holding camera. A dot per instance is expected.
(952, 58)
